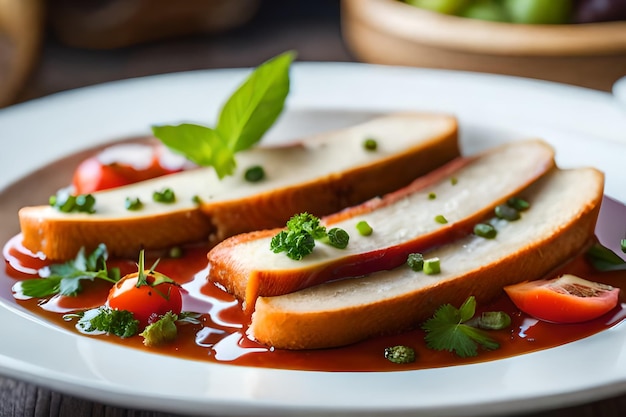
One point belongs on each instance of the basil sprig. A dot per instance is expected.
(243, 120)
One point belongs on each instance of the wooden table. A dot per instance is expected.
(310, 27)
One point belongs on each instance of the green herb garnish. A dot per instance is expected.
(364, 228)
(370, 144)
(133, 204)
(166, 196)
(254, 174)
(485, 230)
(175, 252)
(245, 117)
(432, 196)
(302, 231)
(491, 320)
(400, 354)
(604, 259)
(506, 212)
(65, 279)
(162, 331)
(518, 204)
(441, 219)
(105, 320)
(337, 238)
(415, 261)
(65, 202)
(448, 330)
(432, 266)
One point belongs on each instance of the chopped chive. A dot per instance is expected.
(432, 266)
(440, 218)
(518, 204)
(65, 202)
(454, 181)
(196, 199)
(164, 196)
(337, 238)
(432, 196)
(133, 204)
(400, 354)
(415, 261)
(254, 174)
(370, 144)
(493, 320)
(364, 228)
(506, 212)
(485, 230)
(175, 252)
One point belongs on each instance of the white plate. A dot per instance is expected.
(586, 127)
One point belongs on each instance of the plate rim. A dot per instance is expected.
(305, 76)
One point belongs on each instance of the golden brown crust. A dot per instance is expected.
(333, 193)
(281, 327)
(61, 238)
(230, 268)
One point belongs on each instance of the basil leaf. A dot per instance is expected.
(243, 120)
(256, 104)
(200, 144)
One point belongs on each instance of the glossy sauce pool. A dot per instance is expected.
(221, 335)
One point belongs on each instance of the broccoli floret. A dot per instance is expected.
(400, 354)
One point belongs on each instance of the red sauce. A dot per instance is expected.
(221, 336)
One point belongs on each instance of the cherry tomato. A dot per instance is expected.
(147, 302)
(568, 299)
(124, 164)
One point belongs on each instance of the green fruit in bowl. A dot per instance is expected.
(539, 11)
(485, 10)
(441, 6)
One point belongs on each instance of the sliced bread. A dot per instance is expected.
(432, 210)
(559, 224)
(320, 174)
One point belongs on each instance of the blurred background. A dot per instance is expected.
(54, 45)
(48, 46)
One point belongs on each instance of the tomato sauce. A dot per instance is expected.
(221, 335)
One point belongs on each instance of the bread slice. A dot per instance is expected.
(321, 174)
(464, 191)
(558, 225)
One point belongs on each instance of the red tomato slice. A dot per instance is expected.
(124, 164)
(91, 175)
(146, 302)
(567, 299)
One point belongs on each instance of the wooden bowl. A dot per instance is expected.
(391, 32)
(108, 24)
(21, 29)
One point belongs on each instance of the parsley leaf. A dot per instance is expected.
(65, 279)
(303, 229)
(106, 320)
(305, 222)
(243, 120)
(448, 330)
